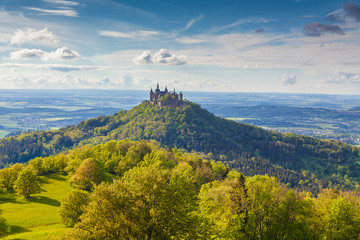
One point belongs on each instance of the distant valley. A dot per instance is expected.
(323, 116)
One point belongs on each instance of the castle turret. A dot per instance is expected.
(180, 96)
(152, 96)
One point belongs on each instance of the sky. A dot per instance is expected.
(294, 46)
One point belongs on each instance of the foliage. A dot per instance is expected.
(72, 206)
(9, 175)
(27, 183)
(89, 174)
(148, 203)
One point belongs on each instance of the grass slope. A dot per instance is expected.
(37, 218)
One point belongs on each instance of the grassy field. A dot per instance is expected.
(38, 217)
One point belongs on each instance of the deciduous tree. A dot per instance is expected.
(27, 183)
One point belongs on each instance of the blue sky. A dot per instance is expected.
(309, 46)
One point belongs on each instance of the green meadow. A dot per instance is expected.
(38, 217)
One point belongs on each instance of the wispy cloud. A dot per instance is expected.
(193, 21)
(240, 22)
(132, 35)
(163, 57)
(31, 35)
(62, 2)
(59, 12)
(56, 67)
(191, 40)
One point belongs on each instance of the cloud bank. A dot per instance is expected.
(162, 57)
(344, 78)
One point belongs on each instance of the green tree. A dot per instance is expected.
(337, 215)
(89, 174)
(9, 175)
(217, 207)
(27, 183)
(147, 203)
(72, 206)
(342, 221)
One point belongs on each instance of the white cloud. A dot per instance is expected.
(63, 53)
(62, 2)
(343, 78)
(132, 35)
(287, 79)
(161, 57)
(59, 12)
(27, 53)
(126, 80)
(31, 35)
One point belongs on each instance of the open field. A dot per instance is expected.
(38, 217)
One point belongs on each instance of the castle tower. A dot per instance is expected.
(180, 96)
(152, 96)
(166, 90)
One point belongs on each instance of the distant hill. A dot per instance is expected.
(299, 161)
(355, 109)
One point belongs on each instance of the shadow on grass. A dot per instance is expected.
(43, 180)
(45, 200)
(11, 199)
(57, 177)
(13, 229)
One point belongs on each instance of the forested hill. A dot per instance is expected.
(300, 161)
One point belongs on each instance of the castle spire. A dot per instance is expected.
(166, 89)
(157, 86)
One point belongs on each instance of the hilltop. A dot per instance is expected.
(297, 160)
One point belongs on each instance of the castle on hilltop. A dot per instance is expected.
(165, 98)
